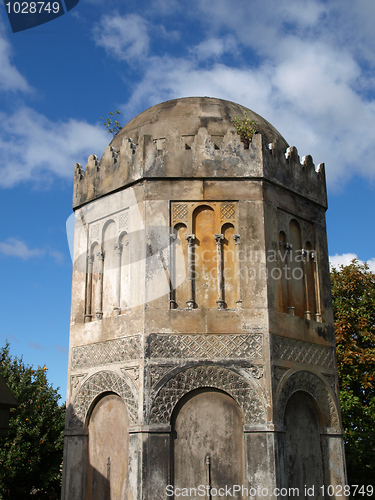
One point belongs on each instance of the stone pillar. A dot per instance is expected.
(75, 454)
(260, 448)
(191, 270)
(118, 251)
(152, 443)
(305, 255)
(88, 313)
(220, 283)
(99, 288)
(237, 239)
(318, 315)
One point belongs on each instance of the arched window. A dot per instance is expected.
(296, 275)
(204, 228)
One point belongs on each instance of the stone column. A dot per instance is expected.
(307, 313)
(99, 287)
(261, 474)
(172, 270)
(289, 249)
(318, 314)
(75, 464)
(237, 238)
(220, 283)
(191, 271)
(88, 312)
(149, 450)
(118, 251)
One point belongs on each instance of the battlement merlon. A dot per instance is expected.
(201, 156)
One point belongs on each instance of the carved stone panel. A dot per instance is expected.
(246, 395)
(302, 352)
(311, 383)
(104, 353)
(248, 346)
(157, 372)
(99, 383)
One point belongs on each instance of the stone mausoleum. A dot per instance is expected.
(202, 353)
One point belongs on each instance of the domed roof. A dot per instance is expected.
(187, 115)
(195, 138)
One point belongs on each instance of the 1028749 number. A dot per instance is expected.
(32, 7)
(354, 490)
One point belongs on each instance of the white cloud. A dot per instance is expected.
(125, 37)
(36, 149)
(10, 78)
(308, 79)
(13, 247)
(346, 258)
(215, 47)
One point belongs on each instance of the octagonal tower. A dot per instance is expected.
(202, 349)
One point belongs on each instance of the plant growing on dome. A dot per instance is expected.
(113, 125)
(245, 127)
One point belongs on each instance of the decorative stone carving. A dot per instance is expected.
(302, 352)
(256, 371)
(333, 382)
(123, 220)
(75, 381)
(100, 382)
(279, 372)
(179, 212)
(227, 211)
(307, 232)
(133, 373)
(311, 383)
(104, 353)
(94, 231)
(283, 219)
(157, 372)
(246, 395)
(248, 346)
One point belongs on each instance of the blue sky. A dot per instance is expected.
(307, 66)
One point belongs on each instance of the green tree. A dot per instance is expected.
(31, 453)
(112, 124)
(353, 293)
(245, 128)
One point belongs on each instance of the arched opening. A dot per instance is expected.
(180, 295)
(303, 459)
(208, 445)
(230, 273)
(204, 228)
(310, 281)
(124, 284)
(110, 268)
(297, 299)
(282, 298)
(108, 450)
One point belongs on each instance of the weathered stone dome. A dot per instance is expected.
(188, 115)
(195, 138)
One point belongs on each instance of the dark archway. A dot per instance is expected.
(302, 446)
(208, 444)
(108, 450)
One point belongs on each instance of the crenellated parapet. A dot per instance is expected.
(201, 155)
(284, 167)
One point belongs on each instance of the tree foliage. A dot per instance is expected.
(31, 452)
(111, 123)
(245, 128)
(353, 293)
